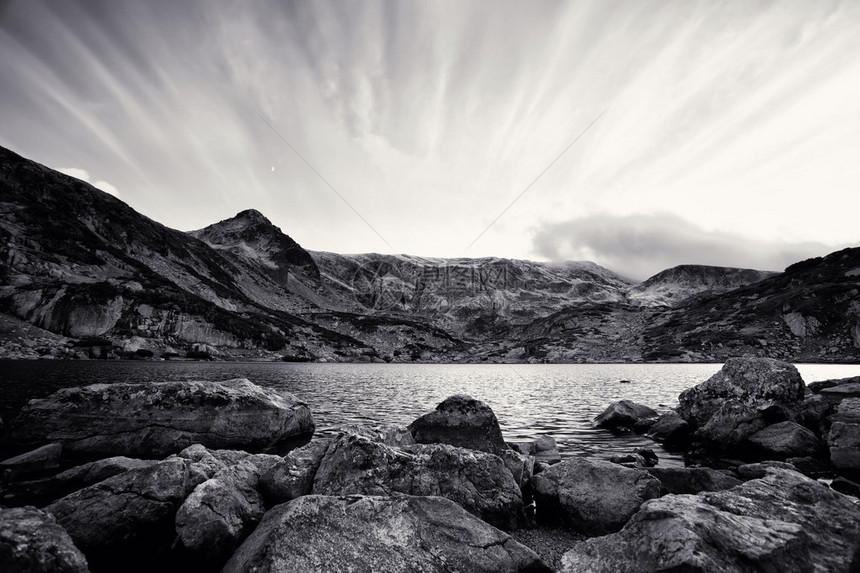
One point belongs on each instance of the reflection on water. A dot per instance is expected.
(529, 399)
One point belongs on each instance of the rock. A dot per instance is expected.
(591, 496)
(478, 481)
(220, 513)
(648, 455)
(844, 437)
(782, 522)
(460, 421)
(624, 415)
(628, 460)
(814, 413)
(389, 434)
(670, 428)
(730, 425)
(521, 467)
(38, 461)
(812, 467)
(127, 521)
(785, 440)
(32, 542)
(835, 394)
(322, 534)
(211, 462)
(846, 486)
(525, 448)
(546, 450)
(692, 480)
(155, 420)
(760, 469)
(754, 383)
(817, 387)
(293, 476)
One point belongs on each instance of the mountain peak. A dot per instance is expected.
(252, 215)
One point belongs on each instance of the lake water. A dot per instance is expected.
(529, 399)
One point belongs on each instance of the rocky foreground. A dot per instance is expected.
(193, 476)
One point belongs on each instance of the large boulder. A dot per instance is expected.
(844, 436)
(322, 534)
(625, 415)
(782, 522)
(759, 384)
(126, 522)
(293, 475)
(692, 480)
(591, 496)
(478, 481)
(731, 425)
(786, 440)
(38, 461)
(155, 420)
(32, 542)
(460, 421)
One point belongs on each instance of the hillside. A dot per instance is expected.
(84, 275)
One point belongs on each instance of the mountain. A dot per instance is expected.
(83, 264)
(809, 313)
(84, 275)
(673, 286)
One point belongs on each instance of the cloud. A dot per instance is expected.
(639, 246)
(84, 175)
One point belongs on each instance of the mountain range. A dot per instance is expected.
(84, 275)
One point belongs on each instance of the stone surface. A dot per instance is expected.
(786, 440)
(388, 434)
(670, 428)
(460, 421)
(361, 534)
(155, 420)
(32, 542)
(782, 522)
(37, 461)
(692, 480)
(591, 496)
(755, 383)
(221, 512)
(521, 467)
(293, 476)
(844, 437)
(545, 450)
(818, 387)
(730, 425)
(478, 481)
(625, 415)
(127, 521)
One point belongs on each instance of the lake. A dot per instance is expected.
(529, 399)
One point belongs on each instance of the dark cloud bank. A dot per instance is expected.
(639, 246)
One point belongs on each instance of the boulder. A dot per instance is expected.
(478, 481)
(460, 421)
(692, 480)
(155, 420)
(32, 542)
(38, 461)
(814, 413)
(835, 394)
(759, 470)
(639, 458)
(322, 534)
(755, 383)
(126, 522)
(782, 522)
(730, 425)
(521, 467)
(818, 387)
(670, 428)
(844, 437)
(545, 450)
(211, 462)
(591, 496)
(293, 476)
(786, 440)
(220, 513)
(625, 415)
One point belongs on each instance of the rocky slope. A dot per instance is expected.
(673, 286)
(83, 274)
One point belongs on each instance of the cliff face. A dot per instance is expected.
(82, 270)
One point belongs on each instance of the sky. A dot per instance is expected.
(636, 134)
